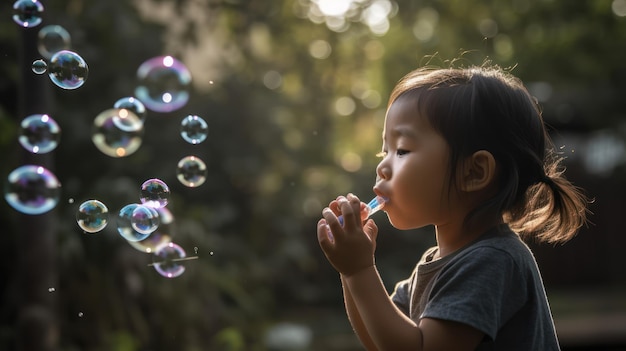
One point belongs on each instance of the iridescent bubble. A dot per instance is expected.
(191, 171)
(194, 129)
(167, 260)
(39, 134)
(52, 39)
(39, 66)
(27, 13)
(163, 84)
(161, 236)
(144, 219)
(32, 189)
(124, 224)
(154, 193)
(92, 216)
(132, 104)
(67, 70)
(117, 132)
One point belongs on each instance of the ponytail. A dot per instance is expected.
(554, 209)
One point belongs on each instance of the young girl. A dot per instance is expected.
(464, 150)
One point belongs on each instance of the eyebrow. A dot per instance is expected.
(403, 131)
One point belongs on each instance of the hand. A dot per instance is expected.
(350, 248)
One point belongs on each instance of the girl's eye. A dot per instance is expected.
(401, 152)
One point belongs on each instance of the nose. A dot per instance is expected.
(383, 171)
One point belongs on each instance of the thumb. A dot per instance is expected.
(371, 229)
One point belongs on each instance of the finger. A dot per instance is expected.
(332, 223)
(324, 237)
(352, 212)
(348, 215)
(371, 229)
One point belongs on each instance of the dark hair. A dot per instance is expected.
(487, 108)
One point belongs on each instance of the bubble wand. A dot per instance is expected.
(375, 205)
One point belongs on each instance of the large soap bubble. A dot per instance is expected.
(39, 133)
(52, 39)
(117, 132)
(67, 70)
(27, 13)
(163, 84)
(32, 189)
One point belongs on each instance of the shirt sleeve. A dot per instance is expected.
(482, 288)
(401, 295)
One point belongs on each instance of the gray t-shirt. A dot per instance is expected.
(492, 284)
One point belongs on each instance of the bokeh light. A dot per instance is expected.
(32, 189)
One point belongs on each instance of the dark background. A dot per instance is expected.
(291, 127)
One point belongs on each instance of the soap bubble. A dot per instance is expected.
(154, 193)
(39, 134)
(144, 219)
(161, 236)
(194, 129)
(132, 104)
(191, 171)
(39, 66)
(117, 132)
(167, 260)
(163, 84)
(67, 70)
(27, 13)
(125, 224)
(52, 39)
(92, 216)
(32, 189)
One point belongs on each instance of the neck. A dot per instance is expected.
(457, 234)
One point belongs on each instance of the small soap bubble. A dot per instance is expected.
(70, 200)
(51, 290)
(125, 226)
(52, 39)
(39, 133)
(117, 132)
(161, 236)
(163, 84)
(132, 104)
(194, 129)
(167, 260)
(144, 219)
(80, 314)
(92, 216)
(67, 70)
(39, 66)
(154, 193)
(191, 171)
(32, 189)
(27, 13)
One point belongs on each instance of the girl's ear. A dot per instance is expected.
(479, 171)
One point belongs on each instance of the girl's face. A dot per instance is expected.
(413, 173)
